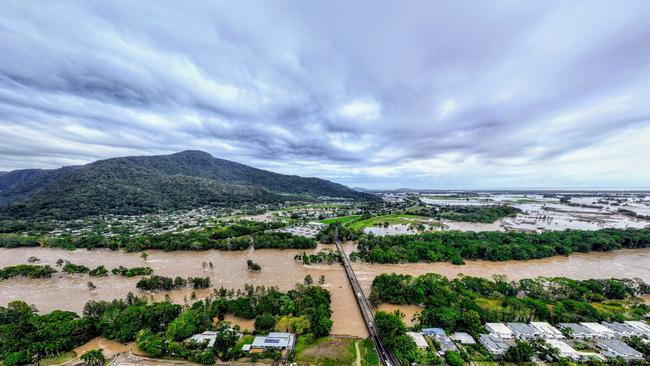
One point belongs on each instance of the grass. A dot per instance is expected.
(246, 339)
(326, 351)
(392, 219)
(368, 355)
(343, 220)
(61, 358)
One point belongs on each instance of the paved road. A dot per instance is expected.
(385, 355)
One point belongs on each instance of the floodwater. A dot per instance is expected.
(70, 292)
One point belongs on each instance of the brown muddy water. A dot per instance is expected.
(70, 292)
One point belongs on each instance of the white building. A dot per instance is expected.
(463, 338)
(274, 341)
(602, 331)
(617, 348)
(547, 331)
(622, 329)
(495, 345)
(523, 330)
(419, 340)
(640, 326)
(499, 330)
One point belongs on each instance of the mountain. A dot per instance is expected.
(141, 184)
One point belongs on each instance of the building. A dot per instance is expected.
(499, 330)
(570, 352)
(432, 332)
(623, 329)
(207, 336)
(419, 340)
(579, 331)
(275, 341)
(602, 332)
(616, 348)
(495, 345)
(523, 330)
(640, 326)
(463, 338)
(547, 331)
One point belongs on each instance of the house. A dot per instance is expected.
(570, 352)
(275, 341)
(432, 332)
(640, 326)
(495, 345)
(547, 331)
(419, 340)
(602, 332)
(523, 330)
(616, 348)
(463, 338)
(207, 336)
(623, 329)
(499, 330)
(579, 331)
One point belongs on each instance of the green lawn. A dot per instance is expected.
(368, 355)
(326, 352)
(343, 219)
(392, 219)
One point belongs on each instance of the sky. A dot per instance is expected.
(375, 94)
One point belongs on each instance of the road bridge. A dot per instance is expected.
(385, 355)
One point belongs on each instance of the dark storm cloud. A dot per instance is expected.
(377, 93)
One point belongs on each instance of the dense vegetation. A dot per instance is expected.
(136, 185)
(305, 309)
(132, 272)
(455, 246)
(160, 329)
(211, 238)
(325, 256)
(393, 332)
(467, 213)
(26, 270)
(329, 234)
(468, 302)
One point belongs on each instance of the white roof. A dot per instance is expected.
(564, 348)
(498, 328)
(641, 326)
(598, 328)
(547, 328)
(463, 338)
(419, 339)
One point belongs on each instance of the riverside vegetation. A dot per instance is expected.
(455, 246)
(160, 328)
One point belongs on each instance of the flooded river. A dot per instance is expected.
(70, 292)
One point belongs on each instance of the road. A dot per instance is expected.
(385, 355)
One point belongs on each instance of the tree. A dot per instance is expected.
(264, 323)
(321, 280)
(520, 352)
(453, 358)
(144, 256)
(93, 357)
(308, 280)
(472, 321)
(91, 286)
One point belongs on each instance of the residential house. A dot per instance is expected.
(499, 330)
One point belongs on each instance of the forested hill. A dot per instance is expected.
(140, 184)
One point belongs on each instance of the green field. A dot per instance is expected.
(392, 219)
(63, 357)
(368, 355)
(326, 352)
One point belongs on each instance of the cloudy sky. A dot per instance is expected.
(379, 94)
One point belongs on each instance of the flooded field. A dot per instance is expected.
(69, 292)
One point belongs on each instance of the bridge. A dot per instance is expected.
(385, 355)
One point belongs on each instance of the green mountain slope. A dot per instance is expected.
(133, 185)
